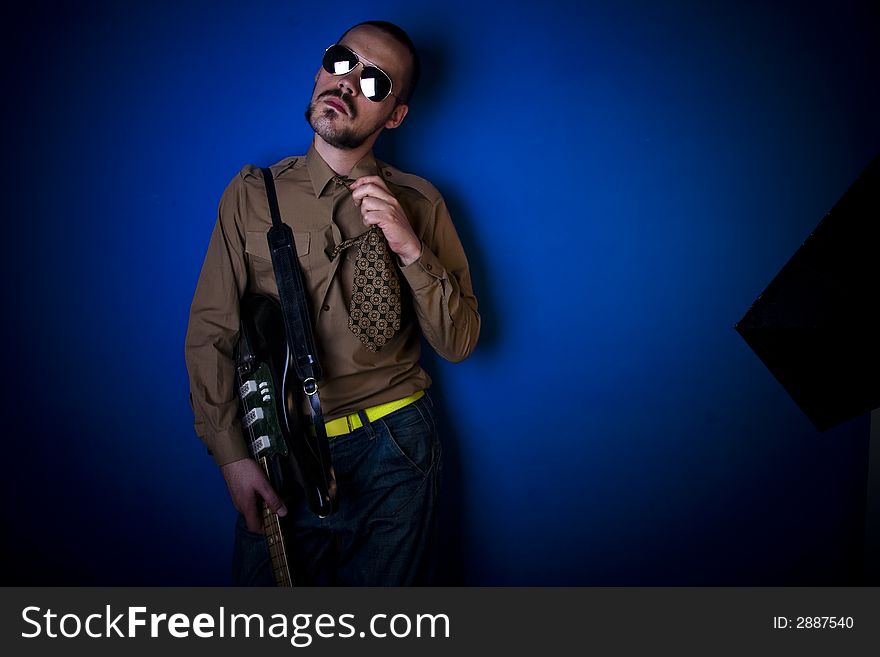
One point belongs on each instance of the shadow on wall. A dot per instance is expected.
(393, 148)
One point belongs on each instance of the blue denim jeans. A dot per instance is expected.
(383, 534)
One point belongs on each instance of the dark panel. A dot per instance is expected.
(816, 325)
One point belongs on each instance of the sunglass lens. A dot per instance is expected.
(375, 84)
(339, 60)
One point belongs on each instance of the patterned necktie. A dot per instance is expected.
(374, 310)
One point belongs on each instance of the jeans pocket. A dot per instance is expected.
(251, 563)
(412, 436)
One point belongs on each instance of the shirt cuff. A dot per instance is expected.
(226, 446)
(424, 271)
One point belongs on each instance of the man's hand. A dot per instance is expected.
(247, 484)
(379, 207)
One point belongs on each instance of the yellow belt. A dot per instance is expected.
(348, 423)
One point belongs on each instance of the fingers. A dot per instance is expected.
(391, 226)
(371, 187)
(270, 497)
(369, 180)
(373, 204)
(253, 509)
(378, 211)
(247, 484)
(379, 207)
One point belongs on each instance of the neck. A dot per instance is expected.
(341, 160)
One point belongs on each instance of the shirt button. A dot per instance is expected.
(325, 308)
(428, 267)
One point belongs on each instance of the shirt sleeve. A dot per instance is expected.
(442, 293)
(213, 332)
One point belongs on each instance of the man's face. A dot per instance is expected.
(339, 112)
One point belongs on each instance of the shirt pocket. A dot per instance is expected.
(260, 260)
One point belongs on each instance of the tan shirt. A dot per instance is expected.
(437, 297)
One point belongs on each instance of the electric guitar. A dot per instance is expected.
(270, 416)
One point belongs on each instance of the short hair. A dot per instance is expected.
(398, 34)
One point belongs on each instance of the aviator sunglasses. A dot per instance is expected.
(375, 83)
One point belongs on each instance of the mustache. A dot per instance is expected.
(344, 98)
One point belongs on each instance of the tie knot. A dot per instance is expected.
(343, 181)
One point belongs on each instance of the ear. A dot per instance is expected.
(397, 116)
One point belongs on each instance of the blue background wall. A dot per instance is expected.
(626, 177)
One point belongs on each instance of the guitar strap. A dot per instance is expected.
(300, 339)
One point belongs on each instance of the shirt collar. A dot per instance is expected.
(321, 173)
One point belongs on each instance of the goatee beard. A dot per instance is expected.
(323, 122)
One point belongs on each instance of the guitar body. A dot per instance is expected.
(270, 395)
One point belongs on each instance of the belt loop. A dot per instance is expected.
(366, 422)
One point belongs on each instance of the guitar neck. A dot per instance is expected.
(275, 539)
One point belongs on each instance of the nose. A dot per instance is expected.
(350, 82)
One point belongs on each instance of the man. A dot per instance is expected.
(383, 443)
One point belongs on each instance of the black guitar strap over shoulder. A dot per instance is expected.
(301, 341)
